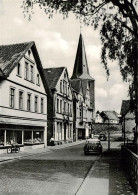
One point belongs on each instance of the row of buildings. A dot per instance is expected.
(37, 104)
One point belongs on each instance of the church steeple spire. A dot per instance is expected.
(81, 69)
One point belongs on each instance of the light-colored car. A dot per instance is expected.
(92, 146)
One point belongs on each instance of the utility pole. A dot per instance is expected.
(108, 136)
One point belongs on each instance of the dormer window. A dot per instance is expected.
(19, 69)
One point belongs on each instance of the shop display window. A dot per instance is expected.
(1, 137)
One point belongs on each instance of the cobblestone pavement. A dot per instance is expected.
(65, 171)
(58, 172)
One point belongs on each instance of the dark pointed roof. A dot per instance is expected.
(125, 108)
(52, 76)
(10, 56)
(81, 69)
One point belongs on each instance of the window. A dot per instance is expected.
(61, 86)
(70, 130)
(64, 87)
(20, 99)
(19, 69)
(80, 109)
(64, 107)
(36, 103)
(12, 97)
(70, 110)
(42, 105)
(64, 75)
(32, 73)
(29, 102)
(68, 107)
(60, 106)
(29, 53)
(26, 71)
(57, 105)
(38, 79)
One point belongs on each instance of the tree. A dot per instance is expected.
(117, 21)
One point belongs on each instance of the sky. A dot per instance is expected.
(56, 40)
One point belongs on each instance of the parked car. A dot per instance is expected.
(102, 137)
(92, 146)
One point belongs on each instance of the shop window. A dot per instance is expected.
(29, 102)
(27, 137)
(12, 97)
(1, 137)
(38, 137)
(36, 103)
(42, 105)
(20, 99)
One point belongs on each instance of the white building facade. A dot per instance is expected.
(23, 99)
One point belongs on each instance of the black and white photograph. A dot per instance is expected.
(68, 97)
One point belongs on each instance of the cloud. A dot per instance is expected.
(117, 91)
(100, 93)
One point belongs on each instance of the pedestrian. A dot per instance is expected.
(52, 141)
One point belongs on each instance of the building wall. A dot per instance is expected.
(83, 121)
(15, 115)
(59, 115)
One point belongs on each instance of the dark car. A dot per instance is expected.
(92, 146)
(102, 137)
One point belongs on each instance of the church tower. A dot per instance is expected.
(83, 86)
(81, 70)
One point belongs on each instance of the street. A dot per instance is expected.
(57, 172)
(64, 171)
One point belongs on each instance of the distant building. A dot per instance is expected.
(107, 117)
(128, 118)
(60, 105)
(23, 100)
(83, 86)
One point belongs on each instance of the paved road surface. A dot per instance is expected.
(57, 172)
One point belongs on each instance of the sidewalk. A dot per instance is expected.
(31, 152)
(107, 176)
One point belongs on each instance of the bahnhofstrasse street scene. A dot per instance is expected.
(64, 129)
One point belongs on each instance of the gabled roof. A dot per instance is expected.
(52, 76)
(81, 69)
(111, 115)
(125, 108)
(10, 55)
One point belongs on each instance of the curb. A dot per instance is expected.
(49, 149)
